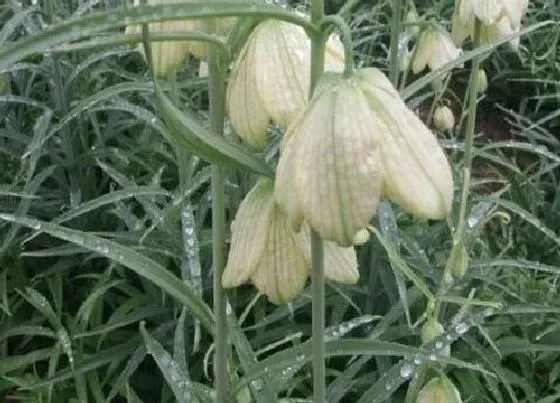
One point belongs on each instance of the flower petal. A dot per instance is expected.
(336, 166)
(417, 175)
(249, 234)
(246, 112)
(341, 264)
(282, 271)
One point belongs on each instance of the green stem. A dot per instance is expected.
(216, 84)
(345, 36)
(394, 50)
(458, 236)
(317, 247)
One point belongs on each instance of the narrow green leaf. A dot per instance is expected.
(176, 378)
(94, 23)
(127, 257)
(201, 141)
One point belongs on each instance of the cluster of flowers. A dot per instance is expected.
(354, 143)
(435, 46)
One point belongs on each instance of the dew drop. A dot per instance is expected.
(407, 369)
(461, 328)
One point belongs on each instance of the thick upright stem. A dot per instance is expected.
(217, 113)
(394, 50)
(317, 247)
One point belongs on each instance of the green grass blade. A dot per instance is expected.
(129, 258)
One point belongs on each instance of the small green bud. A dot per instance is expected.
(439, 390)
(459, 261)
(431, 330)
(362, 236)
(412, 18)
(482, 81)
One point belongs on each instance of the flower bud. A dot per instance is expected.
(444, 120)
(412, 18)
(482, 81)
(362, 236)
(270, 78)
(459, 261)
(432, 329)
(434, 49)
(439, 390)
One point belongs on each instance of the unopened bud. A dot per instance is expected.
(459, 261)
(439, 390)
(431, 330)
(362, 236)
(443, 119)
(412, 19)
(482, 81)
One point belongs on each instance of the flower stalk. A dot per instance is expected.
(459, 234)
(317, 246)
(216, 92)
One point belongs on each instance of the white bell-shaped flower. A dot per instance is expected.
(415, 170)
(498, 18)
(266, 250)
(270, 78)
(329, 173)
(434, 49)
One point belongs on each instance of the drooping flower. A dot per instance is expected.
(329, 173)
(490, 11)
(168, 55)
(356, 142)
(266, 250)
(498, 18)
(444, 120)
(270, 78)
(415, 171)
(434, 49)
(439, 390)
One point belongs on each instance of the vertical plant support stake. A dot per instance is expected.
(317, 247)
(216, 91)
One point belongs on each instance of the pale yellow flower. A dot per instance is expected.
(266, 250)
(415, 171)
(168, 55)
(329, 172)
(498, 18)
(356, 142)
(490, 11)
(270, 78)
(434, 49)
